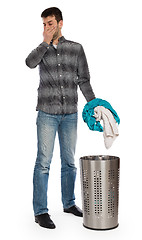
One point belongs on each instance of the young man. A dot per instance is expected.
(62, 67)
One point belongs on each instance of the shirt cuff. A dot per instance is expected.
(44, 44)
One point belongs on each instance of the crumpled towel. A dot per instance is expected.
(110, 130)
(88, 113)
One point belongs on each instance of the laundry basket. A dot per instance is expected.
(100, 191)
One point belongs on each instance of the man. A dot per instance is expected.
(62, 67)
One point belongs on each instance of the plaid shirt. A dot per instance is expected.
(61, 71)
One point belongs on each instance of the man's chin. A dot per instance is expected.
(54, 38)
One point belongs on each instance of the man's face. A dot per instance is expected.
(49, 22)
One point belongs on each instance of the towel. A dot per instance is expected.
(88, 113)
(110, 130)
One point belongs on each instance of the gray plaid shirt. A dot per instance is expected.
(61, 71)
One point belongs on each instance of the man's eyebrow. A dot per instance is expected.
(49, 22)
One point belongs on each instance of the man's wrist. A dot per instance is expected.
(48, 42)
(45, 44)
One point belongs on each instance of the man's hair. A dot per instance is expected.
(53, 11)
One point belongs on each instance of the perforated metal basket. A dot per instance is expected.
(100, 191)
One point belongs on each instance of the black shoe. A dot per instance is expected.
(44, 221)
(74, 210)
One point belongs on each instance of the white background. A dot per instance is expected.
(111, 34)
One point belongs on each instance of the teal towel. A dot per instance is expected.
(88, 113)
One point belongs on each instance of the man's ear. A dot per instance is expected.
(61, 24)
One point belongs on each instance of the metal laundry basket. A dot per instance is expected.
(100, 191)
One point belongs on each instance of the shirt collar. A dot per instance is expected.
(61, 39)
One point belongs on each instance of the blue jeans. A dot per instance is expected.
(47, 126)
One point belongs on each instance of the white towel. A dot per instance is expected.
(110, 129)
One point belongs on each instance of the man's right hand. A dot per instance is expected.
(48, 34)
